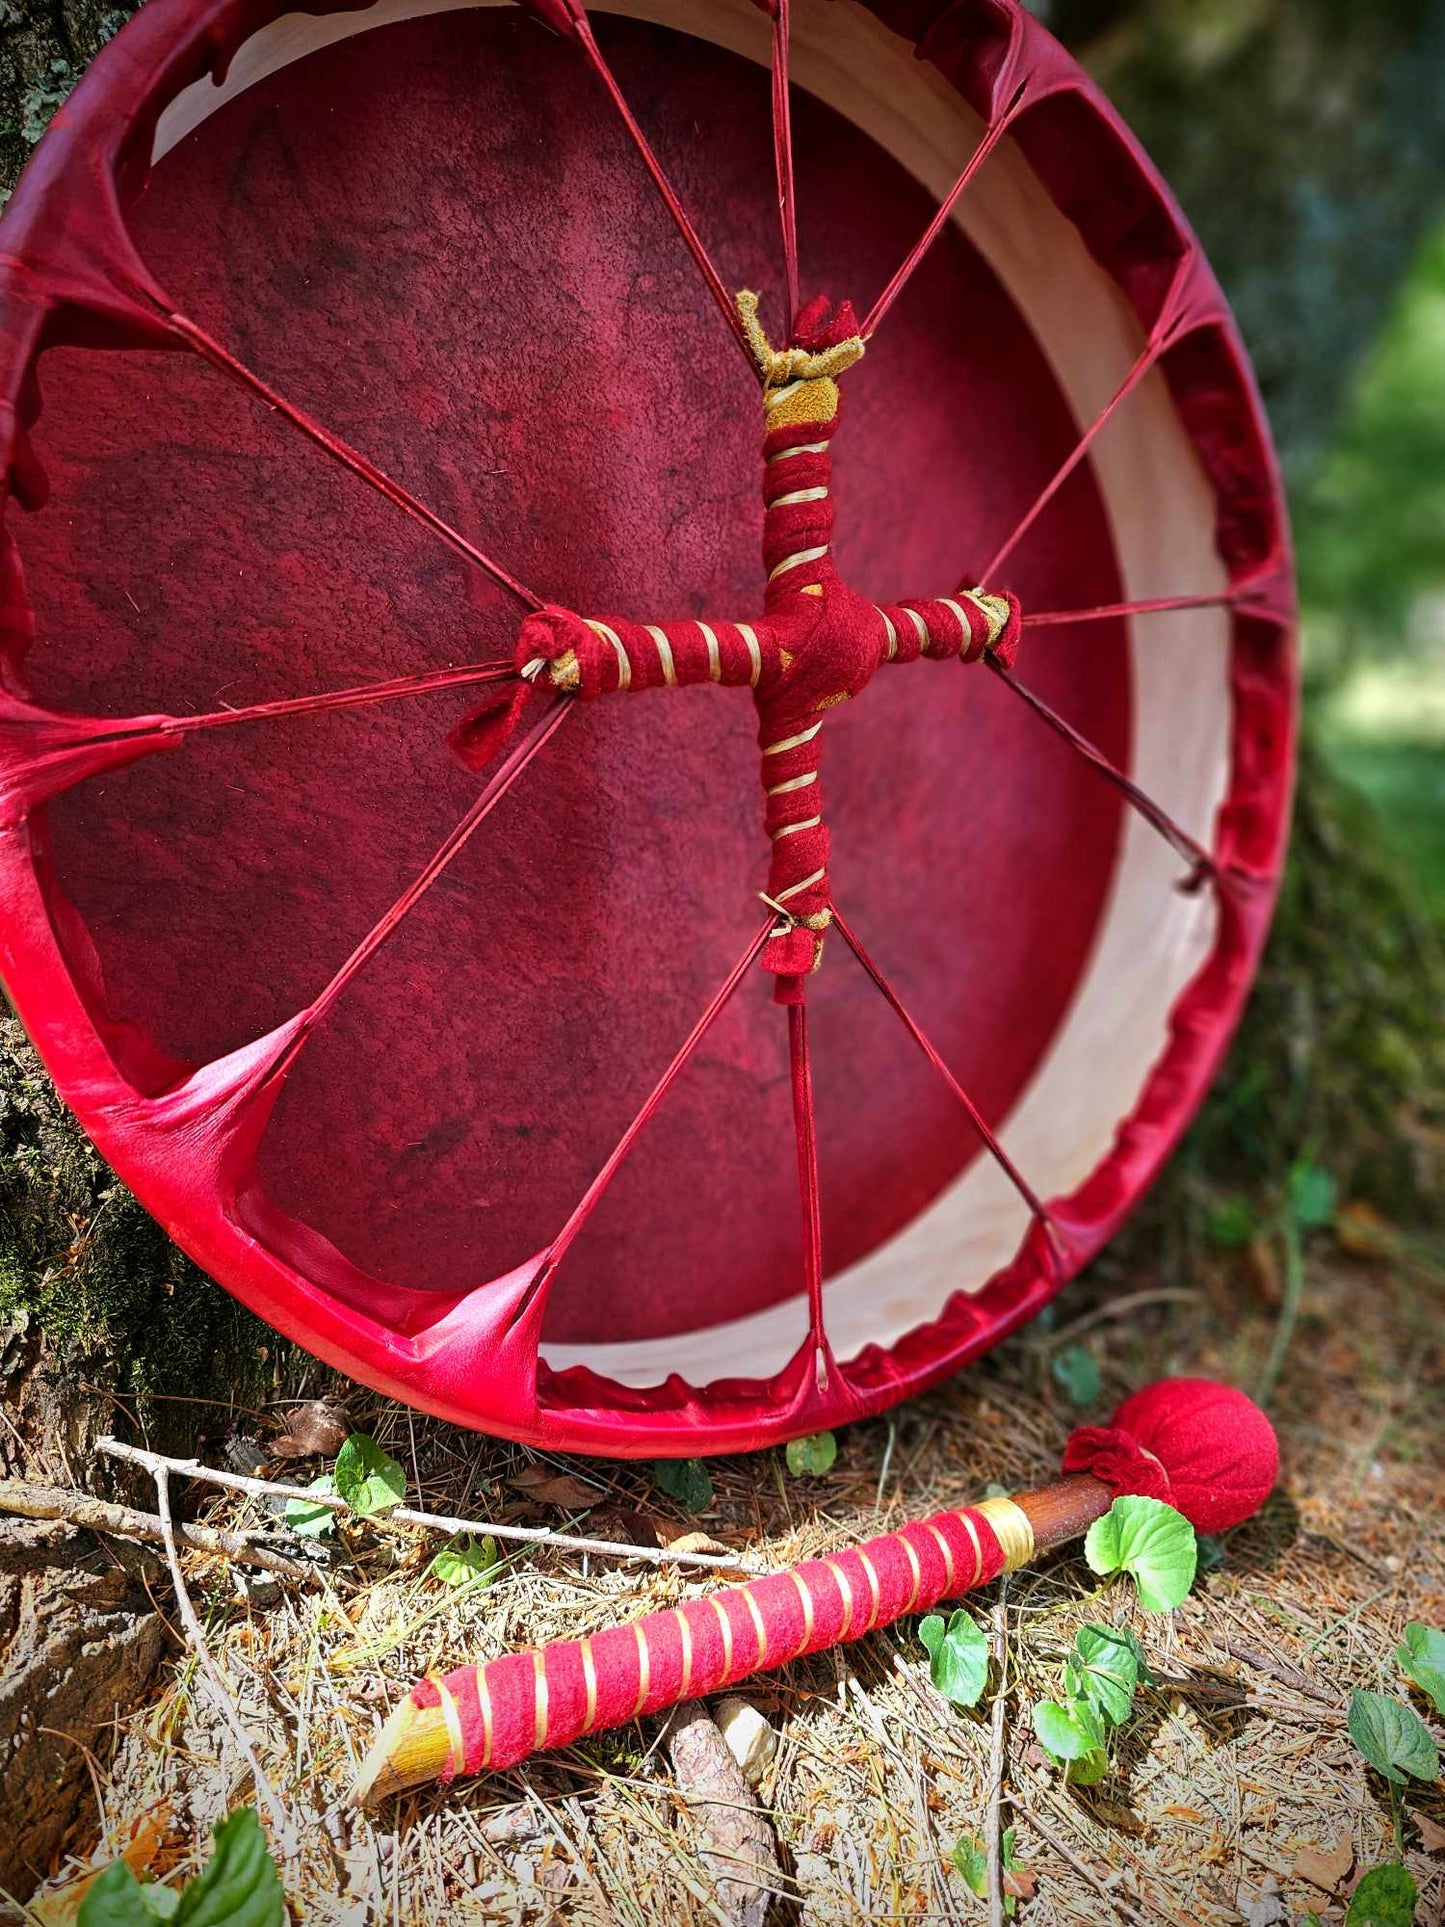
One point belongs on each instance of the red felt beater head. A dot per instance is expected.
(1205, 1449)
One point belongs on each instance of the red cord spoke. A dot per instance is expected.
(783, 153)
(806, 1131)
(1004, 1161)
(355, 697)
(211, 350)
(664, 187)
(1051, 618)
(992, 136)
(506, 774)
(559, 1246)
(1201, 863)
(1149, 355)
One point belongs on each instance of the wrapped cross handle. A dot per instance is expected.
(1204, 1448)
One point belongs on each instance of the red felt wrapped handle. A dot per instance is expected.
(500, 1713)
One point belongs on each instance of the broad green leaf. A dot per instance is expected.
(814, 1454)
(1384, 1898)
(1106, 1671)
(115, 1899)
(1311, 1194)
(239, 1886)
(686, 1480)
(1392, 1737)
(957, 1656)
(970, 1856)
(1089, 1770)
(163, 1902)
(367, 1478)
(466, 1561)
(1075, 1370)
(1422, 1659)
(1152, 1541)
(1068, 1732)
(313, 1521)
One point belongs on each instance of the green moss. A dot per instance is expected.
(122, 1306)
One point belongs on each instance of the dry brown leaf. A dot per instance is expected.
(1432, 1834)
(314, 1430)
(1326, 1867)
(555, 1488)
(690, 1541)
(1019, 1882)
(625, 1525)
(62, 1907)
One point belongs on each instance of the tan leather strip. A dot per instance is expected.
(752, 1605)
(912, 1557)
(684, 1640)
(539, 1735)
(727, 1635)
(644, 1667)
(807, 1598)
(845, 1593)
(872, 1577)
(950, 1577)
(965, 1520)
(451, 1719)
(589, 1678)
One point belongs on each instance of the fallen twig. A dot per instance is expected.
(429, 1521)
(279, 1818)
(1082, 1868)
(123, 1522)
(997, 1758)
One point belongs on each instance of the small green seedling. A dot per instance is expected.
(1100, 1677)
(957, 1656)
(1422, 1659)
(812, 1456)
(1384, 1898)
(466, 1562)
(970, 1856)
(1393, 1738)
(309, 1521)
(686, 1480)
(369, 1480)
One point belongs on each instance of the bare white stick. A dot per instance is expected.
(286, 1834)
(155, 1462)
(997, 1759)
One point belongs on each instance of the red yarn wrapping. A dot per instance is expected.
(817, 645)
(1205, 1449)
(528, 1702)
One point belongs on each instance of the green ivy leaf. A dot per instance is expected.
(115, 1898)
(1152, 1541)
(957, 1656)
(313, 1521)
(1076, 1371)
(1422, 1659)
(1311, 1197)
(466, 1561)
(686, 1480)
(813, 1455)
(1392, 1737)
(239, 1886)
(1384, 1898)
(1105, 1671)
(1069, 1732)
(367, 1478)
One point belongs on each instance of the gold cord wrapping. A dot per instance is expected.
(780, 365)
(1010, 1524)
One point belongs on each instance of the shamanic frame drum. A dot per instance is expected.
(436, 1032)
